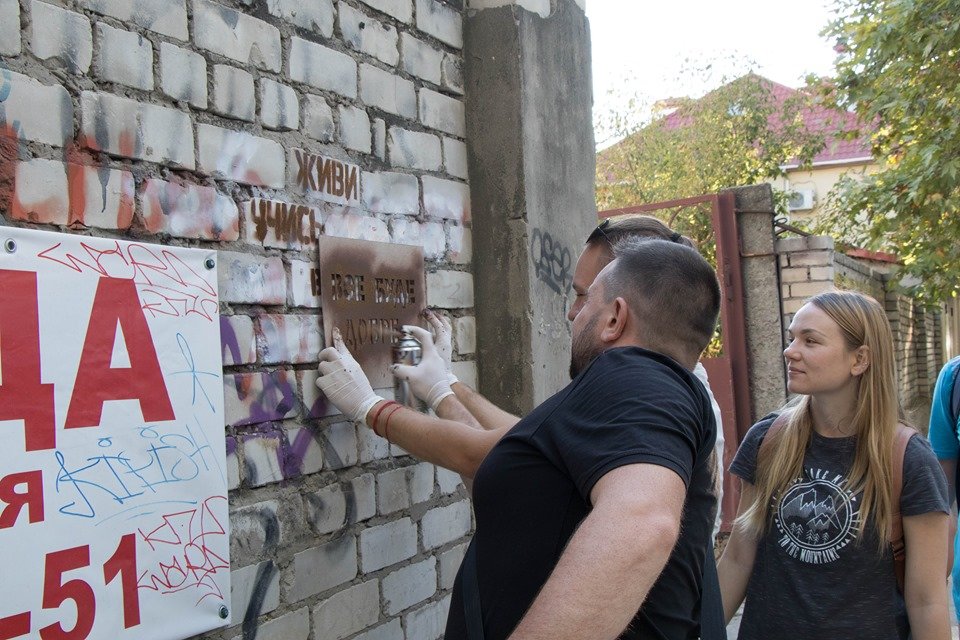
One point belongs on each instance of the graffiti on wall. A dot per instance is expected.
(552, 261)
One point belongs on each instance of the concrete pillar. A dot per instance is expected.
(761, 286)
(531, 163)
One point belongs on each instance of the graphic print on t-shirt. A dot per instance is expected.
(817, 517)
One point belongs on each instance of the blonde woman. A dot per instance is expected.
(810, 548)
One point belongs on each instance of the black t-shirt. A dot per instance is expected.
(812, 576)
(533, 489)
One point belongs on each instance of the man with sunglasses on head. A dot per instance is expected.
(594, 512)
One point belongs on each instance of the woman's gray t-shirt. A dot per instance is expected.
(812, 577)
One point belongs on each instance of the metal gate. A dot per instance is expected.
(729, 377)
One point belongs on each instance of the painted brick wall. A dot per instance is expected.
(182, 122)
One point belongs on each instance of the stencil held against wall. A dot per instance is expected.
(113, 487)
(369, 290)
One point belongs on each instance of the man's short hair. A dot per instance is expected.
(671, 289)
(612, 230)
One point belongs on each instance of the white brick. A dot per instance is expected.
(448, 481)
(125, 57)
(189, 211)
(290, 626)
(355, 128)
(402, 10)
(252, 398)
(445, 524)
(460, 240)
(347, 612)
(168, 17)
(364, 496)
(324, 567)
(279, 107)
(108, 197)
(43, 113)
(306, 449)
(242, 583)
(356, 226)
(315, 15)
(420, 477)
(369, 36)
(236, 35)
(452, 72)
(254, 531)
(327, 509)
(383, 90)
(438, 111)
(342, 440)
(240, 156)
(465, 334)
(183, 75)
(455, 158)
(247, 278)
(322, 67)
(392, 491)
(288, 339)
(303, 289)
(41, 193)
(316, 406)
(318, 120)
(446, 199)
(466, 372)
(58, 33)
(239, 342)
(413, 149)
(420, 59)
(233, 93)
(261, 455)
(380, 138)
(449, 565)
(429, 235)
(372, 446)
(450, 289)
(390, 631)
(387, 544)
(9, 28)
(384, 192)
(427, 623)
(132, 129)
(410, 585)
(441, 21)
(233, 468)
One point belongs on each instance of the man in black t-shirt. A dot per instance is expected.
(594, 512)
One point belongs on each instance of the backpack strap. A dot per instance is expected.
(901, 438)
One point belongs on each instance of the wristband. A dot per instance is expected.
(386, 426)
(376, 416)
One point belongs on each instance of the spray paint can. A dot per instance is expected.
(407, 351)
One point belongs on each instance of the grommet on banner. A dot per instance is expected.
(209, 263)
(10, 245)
(224, 612)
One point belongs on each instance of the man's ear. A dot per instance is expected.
(615, 321)
(862, 362)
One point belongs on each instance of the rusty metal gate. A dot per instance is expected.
(729, 377)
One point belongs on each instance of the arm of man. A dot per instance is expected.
(925, 593)
(736, 563)
(447, 443)
(614, 558)
(450, 408)
(488, 415)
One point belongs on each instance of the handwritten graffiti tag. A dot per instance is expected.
(551, 262)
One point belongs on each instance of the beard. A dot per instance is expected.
(584, 348)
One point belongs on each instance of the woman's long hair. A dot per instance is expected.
(862, 322)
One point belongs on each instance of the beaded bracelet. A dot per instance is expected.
(376, 416)
(386, 426)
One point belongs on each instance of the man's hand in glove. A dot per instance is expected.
(428, 380)
(343, 382)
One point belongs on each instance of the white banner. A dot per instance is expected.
(113, 488)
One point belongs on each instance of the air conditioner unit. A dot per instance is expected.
(801, 200)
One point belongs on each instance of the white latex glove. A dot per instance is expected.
(428, 380)
(344, 383)
(443, 340)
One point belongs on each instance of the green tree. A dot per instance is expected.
(737, 134)
(897, 68)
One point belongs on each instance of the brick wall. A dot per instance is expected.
(809, 265)
(194, 123)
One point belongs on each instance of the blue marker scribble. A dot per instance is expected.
(187, 354)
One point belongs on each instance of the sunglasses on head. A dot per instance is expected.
(600, 232)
